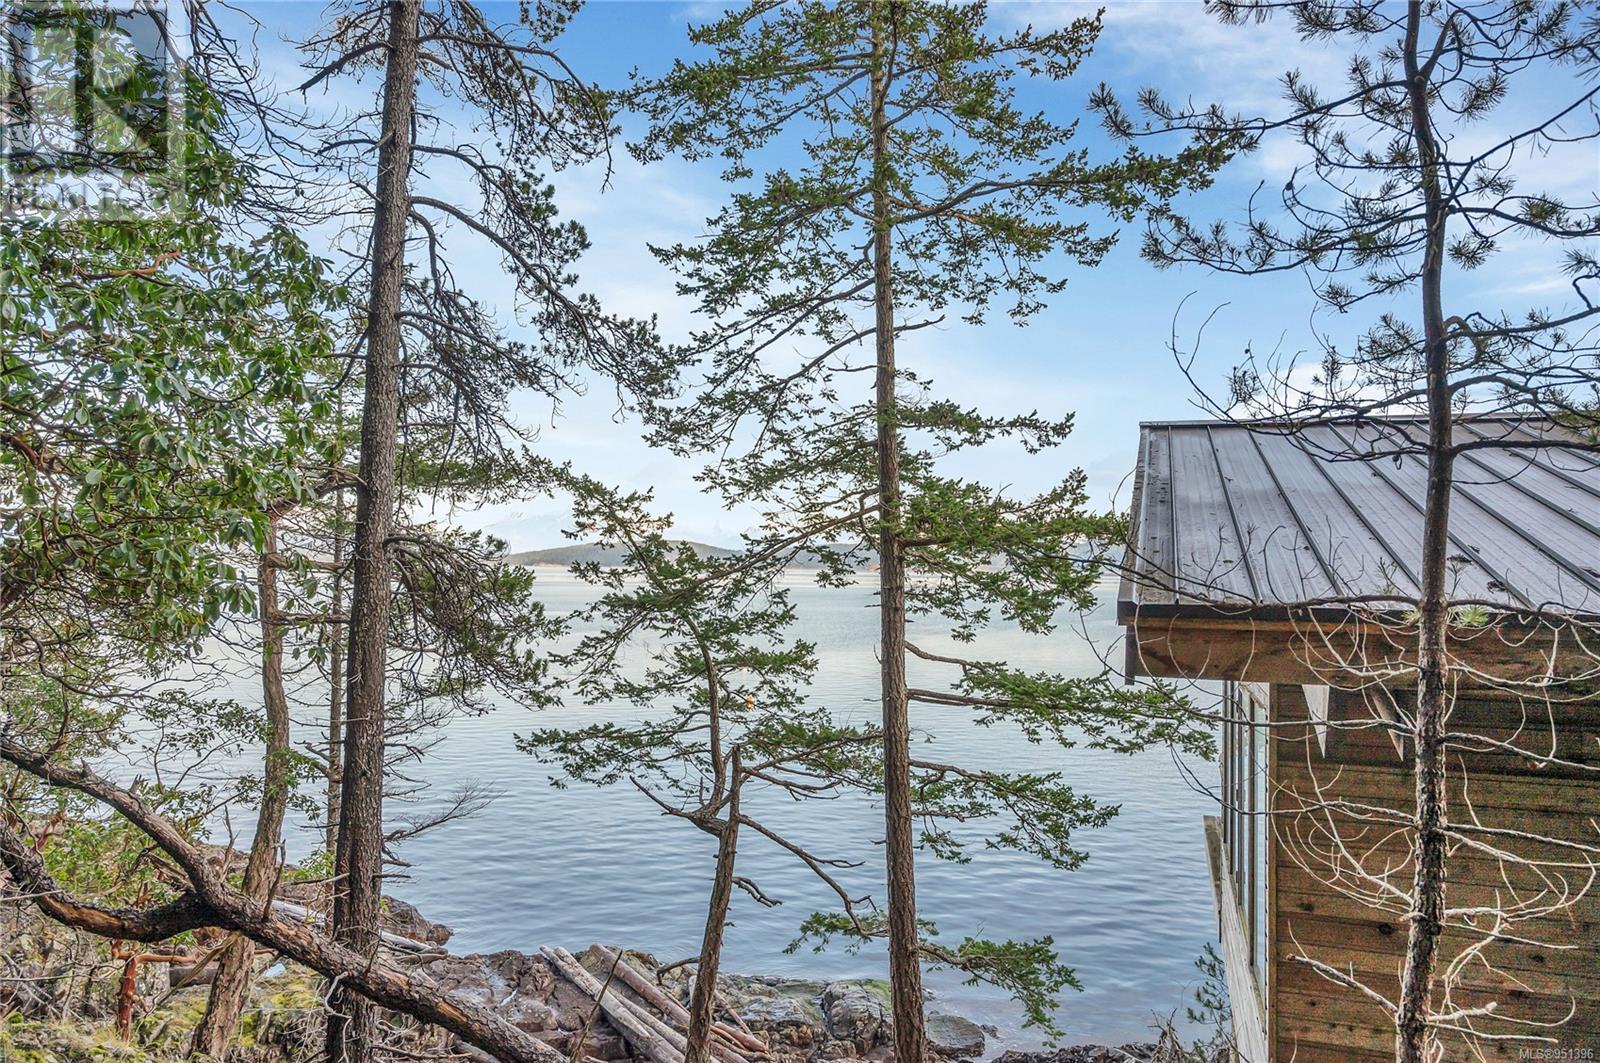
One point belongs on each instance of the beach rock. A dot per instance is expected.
(809, 988)
(1144, 1052)
(519, 987)
(404, 919)
(786, 1019)
(954, 1037)
(857, 1015)
(805, 1020)
(785, 1011)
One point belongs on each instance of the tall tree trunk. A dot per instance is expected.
(1414, 1039)
(703, 999)
(226, 1001)
(359, 857)
(905, 968)
(336, 675)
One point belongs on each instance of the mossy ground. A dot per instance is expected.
(279, 1026)
(880, 986)
(26, 1041)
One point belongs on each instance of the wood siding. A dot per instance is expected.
(1311, 1018)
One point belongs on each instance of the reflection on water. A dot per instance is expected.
(573, 866)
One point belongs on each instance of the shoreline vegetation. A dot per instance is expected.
(605, 1003)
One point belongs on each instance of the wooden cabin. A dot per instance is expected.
(1277, 560)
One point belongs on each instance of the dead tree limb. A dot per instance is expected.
(214, 903)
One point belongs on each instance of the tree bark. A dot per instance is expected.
(359, 856)
(905, 969)
(226, 1000)
(1414, 1038)
(336, 652)
(703, 999)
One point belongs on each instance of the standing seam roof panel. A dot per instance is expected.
(1563, 541)
(1361, 561)
(1154, 560)
(1262, 516)
(1393, 517)
(1210, 558)
(1528, 573)
(1555, 494)
(1289, 567)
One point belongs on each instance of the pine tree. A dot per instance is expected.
(922, 190)
(435, 360)
(1399, 197)
(721, 702)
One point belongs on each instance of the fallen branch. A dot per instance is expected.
(126, 924)
(128, 987)
(212, 902)
(301, 914)
(576, 1049)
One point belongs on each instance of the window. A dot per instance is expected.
(1260, 735)
(1244, 812)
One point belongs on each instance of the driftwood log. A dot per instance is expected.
(648, 1035)
(300, 913)
(658, 998)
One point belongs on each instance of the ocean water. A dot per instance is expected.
(544, 865)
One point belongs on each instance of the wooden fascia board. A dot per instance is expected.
(1348, 655)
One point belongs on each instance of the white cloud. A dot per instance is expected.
(1174, 45)
(1179, 43)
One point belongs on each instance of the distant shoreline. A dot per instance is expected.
(564, 557)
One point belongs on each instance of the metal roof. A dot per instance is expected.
(1264, 519)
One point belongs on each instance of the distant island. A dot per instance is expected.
(605, 556)
(599, 553)
(609, 556)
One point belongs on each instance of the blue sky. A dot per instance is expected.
(1101, 351)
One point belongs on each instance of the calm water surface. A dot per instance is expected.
(552, 866)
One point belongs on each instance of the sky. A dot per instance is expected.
(1101, 351)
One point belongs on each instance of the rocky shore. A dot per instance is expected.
(802, 1020)
(57, 1006)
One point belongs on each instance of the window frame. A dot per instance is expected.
(1244, 761)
